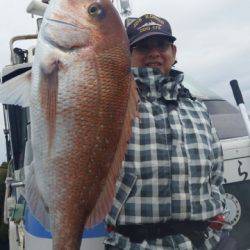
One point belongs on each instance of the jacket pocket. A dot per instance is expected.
(124, 186)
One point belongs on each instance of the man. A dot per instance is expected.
(169, 193)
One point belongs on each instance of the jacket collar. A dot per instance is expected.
(152, 84)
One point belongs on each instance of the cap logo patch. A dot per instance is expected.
(150, 24)
(157, 19)
(137, 22)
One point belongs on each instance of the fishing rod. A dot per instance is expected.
(240, 102)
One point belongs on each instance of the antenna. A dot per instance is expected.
(124, 7)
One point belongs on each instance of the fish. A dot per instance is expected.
(82, 101)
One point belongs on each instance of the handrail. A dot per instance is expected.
(37, 7)
(18, 38)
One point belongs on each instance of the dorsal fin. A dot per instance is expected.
(105, 200)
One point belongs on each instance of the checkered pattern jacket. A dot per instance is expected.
(173, 166)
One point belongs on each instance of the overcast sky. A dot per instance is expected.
(213, 39)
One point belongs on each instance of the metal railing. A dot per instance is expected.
(14, 59)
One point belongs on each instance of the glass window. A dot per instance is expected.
(226, 119)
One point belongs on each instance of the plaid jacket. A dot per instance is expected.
(173, 166)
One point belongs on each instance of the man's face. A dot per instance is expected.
(154, 52)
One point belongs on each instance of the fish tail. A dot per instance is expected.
(67, 225)
(67, 242)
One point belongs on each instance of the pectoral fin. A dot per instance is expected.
(17, 90)
(49, 95)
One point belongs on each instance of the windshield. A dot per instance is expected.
(198, 90)
(226, 119)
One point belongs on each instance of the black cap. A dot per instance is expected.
(147, 25)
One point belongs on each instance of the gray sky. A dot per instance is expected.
(213, 39)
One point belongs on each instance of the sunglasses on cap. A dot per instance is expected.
(147, 45)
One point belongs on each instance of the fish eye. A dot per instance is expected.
(95, 10)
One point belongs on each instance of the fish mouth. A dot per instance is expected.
(65, 36)
(56, 21)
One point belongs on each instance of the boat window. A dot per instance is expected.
(220, 107)
(226, 119)
(18, 119)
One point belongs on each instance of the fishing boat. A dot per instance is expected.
(25, 231)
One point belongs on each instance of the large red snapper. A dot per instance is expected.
(82, 101)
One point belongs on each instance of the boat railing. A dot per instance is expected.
(15, 58)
